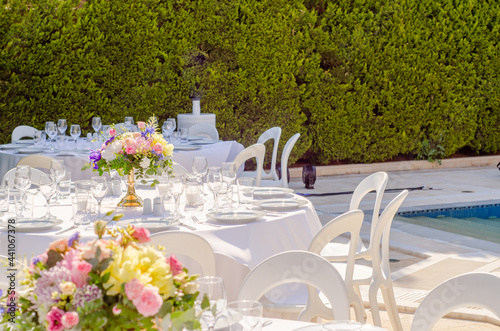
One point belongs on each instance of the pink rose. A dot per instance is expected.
(130, 150)
(54, 318)
(83, 267)
(133, 289)
(112, 132)
(175, 265)
(141, 125)
(70, 319)
(149, 302)
(116, 310)
(59, 245)
(158, 148)
(141, 234)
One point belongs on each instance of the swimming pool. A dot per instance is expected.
(481, 221)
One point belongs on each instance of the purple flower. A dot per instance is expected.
(73, 238)
(147, 132)
(86, 294)
(109, 140)
(35, 260)
(95, 156)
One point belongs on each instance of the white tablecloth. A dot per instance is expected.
(238, 248)
(216, 154)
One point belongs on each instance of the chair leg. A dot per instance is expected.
(391, 307)
(374, 305)
(358, 293)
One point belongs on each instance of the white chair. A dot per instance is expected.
(37, 161)
(471, 289)
(283, 181)
(256, 151)
(187, 244)
(204, 129)
(36, 177)
(375, 182)
(298, 267)
(272, 133)
(179, 169)
(349, 222)
(23, 131)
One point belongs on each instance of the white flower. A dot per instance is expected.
(109, 153)
(145, 162)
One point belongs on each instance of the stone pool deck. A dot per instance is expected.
(425, 257)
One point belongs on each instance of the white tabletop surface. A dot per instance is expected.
(75, 159)
(238, 247)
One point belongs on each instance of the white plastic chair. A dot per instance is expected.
(187, 244)
(36, 177)
(179, 169)
(471, 289)
(349, 222)
(298, 267)
(204, 129)
(256, 151)
(22, 131)
(272, 133)
(283, 181)
(37, 161)
(375, 182)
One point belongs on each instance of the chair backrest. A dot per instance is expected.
(179, 169)
(349, 222)
(36, 177)
(37, 161)
(204, 129)
(256, 151)
(187, 244)
(471, 289)
(284, 159)
(272, 133)
(381, 234)
(22, 131)
(298, 267)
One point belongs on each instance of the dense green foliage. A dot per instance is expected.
(362, 80)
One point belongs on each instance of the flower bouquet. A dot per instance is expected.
(114, 284)
(133, 153)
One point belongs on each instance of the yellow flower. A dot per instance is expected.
(145, 263)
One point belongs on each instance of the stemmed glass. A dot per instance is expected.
(22, 181)
(200, 166)
(176, 187)
(211, 300)
(51, 130)
(98, 187)
(75, 132)
(163, 189)
(48, 188)
(229, 177)
(214, 182)
(57, 172)
(62, 125)
(96, 124)
(129, 122)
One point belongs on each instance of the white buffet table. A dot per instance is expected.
(216, 154)
(238, 247)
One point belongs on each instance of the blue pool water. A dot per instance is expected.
(482, 221)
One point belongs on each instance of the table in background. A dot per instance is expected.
(238, 247)
(74, 160)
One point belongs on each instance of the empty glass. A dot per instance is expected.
(48, 188)
(22, 181)
(75, 131)
(98, 187)
(51, 131)
(245, 315)
(80, 204)
(96, 124)
(246, 187)
(176, 186)
(62, 125)
(200, 166)
(4, 198)
(229, 177)
(129, 122)
(211, 300)
(57, 172)
(183, 135)
(214, 182)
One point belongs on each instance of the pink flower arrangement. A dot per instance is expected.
(83, 286)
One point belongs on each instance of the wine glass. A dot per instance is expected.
(211, 300)
(176, 187)
(96, 124)
(200, 166)
(229, 177)
(98, 187)
(62, 125)
(51, 130)
(167, 129)
(57, 172)
(129, 122)
(214, 182)
(75, 131)
(171, 119)
(22, 181)
(48, 188)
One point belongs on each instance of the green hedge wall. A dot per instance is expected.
(363, 81)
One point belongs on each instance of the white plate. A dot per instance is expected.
(25, 142)
(186, 148)
(205, 142)
(31, 150)
(280, 204)
(32, 224)
(236, 217)
(152, 224)
(10, 146)
(271, 192)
